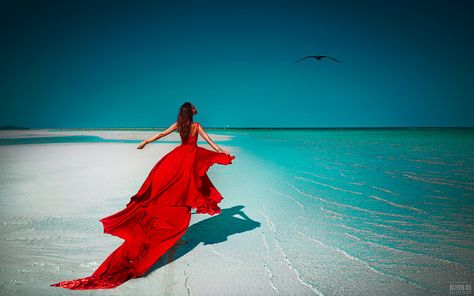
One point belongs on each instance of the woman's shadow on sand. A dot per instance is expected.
(212, 230)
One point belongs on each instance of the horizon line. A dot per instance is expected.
(9, 127)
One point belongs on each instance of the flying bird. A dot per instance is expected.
(319, 57)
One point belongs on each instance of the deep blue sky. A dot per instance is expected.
(68, 64)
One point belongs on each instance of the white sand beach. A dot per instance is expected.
(53, 195)
(105, 134)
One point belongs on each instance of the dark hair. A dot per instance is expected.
(185, 120)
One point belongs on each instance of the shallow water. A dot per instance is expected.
(400, 202)
(342, 212)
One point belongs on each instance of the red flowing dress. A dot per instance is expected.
(157, 215)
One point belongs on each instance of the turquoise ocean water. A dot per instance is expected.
(398, 201)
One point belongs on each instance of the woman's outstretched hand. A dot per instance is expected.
(142, 144)
(225, 151)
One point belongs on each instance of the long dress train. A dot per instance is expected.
(157, 215)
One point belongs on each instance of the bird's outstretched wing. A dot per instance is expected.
(303, 59)
(334, 59)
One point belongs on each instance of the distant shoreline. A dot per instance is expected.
(10, 127)
(258, 128)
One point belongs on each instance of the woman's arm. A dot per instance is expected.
(172, 127)
(206, 137)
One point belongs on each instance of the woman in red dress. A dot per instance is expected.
(158, 215)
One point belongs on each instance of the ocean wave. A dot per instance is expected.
(287, 196)
(346, 205)
(327, 185)
(396, 204)
(376, 270)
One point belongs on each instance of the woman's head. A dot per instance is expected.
(185, 119)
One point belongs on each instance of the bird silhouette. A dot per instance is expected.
(318, 57)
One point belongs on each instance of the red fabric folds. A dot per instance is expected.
(157, 215)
